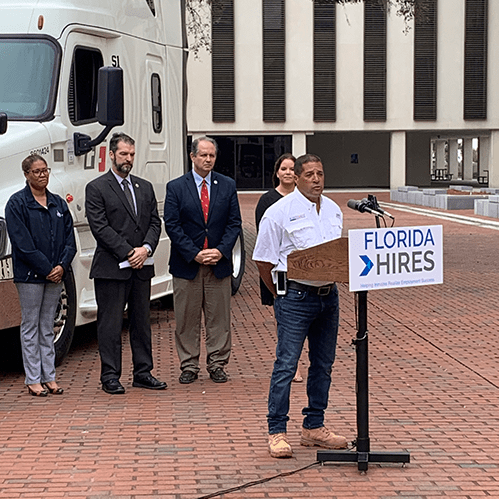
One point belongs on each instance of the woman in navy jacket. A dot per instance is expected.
(40, 229)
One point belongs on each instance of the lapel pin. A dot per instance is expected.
(215, 181)
(137, 186)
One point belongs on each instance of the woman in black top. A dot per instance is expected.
(283, 180)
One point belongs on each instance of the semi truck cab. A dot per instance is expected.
(51, 54)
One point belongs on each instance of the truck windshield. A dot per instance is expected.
(28, 77)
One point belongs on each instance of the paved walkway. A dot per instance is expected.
(434, 387)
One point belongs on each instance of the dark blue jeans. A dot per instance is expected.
(299, 315)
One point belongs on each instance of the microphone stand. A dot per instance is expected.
(363, 456)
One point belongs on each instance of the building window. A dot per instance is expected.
(222, 58)
(274, 67)
(475, 60)
(83, 80)
(425, 63)
(249, 160)
(374, 61)
(324, 62)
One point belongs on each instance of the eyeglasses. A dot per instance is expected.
(42, 171)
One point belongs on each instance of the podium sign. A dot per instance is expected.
(395, 258)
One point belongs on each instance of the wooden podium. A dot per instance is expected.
(325, 262)
(329, 262)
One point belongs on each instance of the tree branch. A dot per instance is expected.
(200, 12)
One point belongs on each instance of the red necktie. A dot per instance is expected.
(205, 205)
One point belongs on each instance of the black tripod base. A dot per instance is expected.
(362, 458)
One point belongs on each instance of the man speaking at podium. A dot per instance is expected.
(303, 309)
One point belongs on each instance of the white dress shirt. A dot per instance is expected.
(199, 182)
(130, 183)
(292, 223)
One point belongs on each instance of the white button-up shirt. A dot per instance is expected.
(199, 182)
(292, 223)
(130, 183)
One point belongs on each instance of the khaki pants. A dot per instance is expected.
(212, 296)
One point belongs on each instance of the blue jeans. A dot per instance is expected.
(299, 315)
(38, 306)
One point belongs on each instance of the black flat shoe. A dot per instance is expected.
(113, 387)
(54, 391)
(42, 393)
(149, 382)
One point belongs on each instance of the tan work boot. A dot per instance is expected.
(279, 446)
(322, 437)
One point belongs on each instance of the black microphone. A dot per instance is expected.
(372, 203)
(363, 207)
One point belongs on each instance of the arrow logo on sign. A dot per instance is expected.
(368, 267)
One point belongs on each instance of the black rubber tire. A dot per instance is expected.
(65, 318)
(238, 263)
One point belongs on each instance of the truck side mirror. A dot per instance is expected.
(110, 96)
(110, 108)
(3, 123)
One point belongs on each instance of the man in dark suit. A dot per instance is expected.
(203, 221)
(123, 216)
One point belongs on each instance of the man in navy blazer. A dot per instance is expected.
(123, 217)
(203, 221)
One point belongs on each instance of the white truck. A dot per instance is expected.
(70, 71)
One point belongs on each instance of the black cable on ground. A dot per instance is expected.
(257, 482)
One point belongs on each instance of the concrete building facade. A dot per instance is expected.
(382, 102)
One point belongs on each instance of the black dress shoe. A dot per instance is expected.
(113, 386)
(149, 382)
(188, 377)
(218, 375)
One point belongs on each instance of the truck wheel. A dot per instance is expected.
(238, 263)
(65, 318)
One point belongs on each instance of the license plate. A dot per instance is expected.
(6, 270)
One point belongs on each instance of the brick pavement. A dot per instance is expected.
(434, 385)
